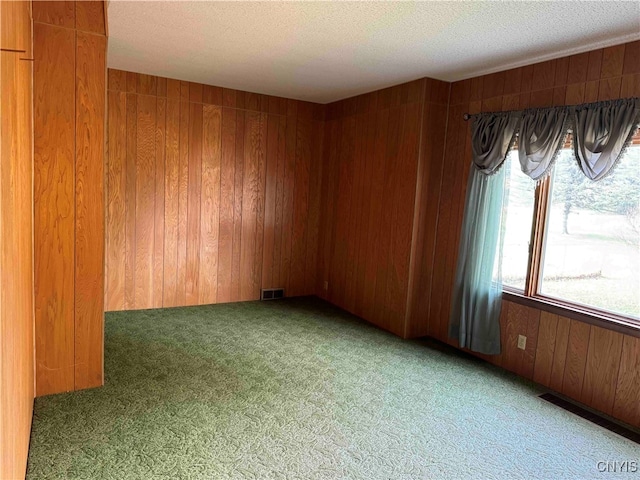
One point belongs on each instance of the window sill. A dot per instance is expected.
(616, 323)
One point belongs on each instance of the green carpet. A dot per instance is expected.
(299, 389)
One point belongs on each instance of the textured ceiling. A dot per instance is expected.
(326, 51)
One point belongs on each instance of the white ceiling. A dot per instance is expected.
(326, 51)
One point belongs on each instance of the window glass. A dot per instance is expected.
(516, 223)
(592, 239)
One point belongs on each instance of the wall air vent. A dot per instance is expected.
(272, 293)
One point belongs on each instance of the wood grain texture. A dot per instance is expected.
(577, 349)
(130, 201)
(16, 241)
(227, 175)
(158, 242)
(144, 207)
(238, 175)
(90, 16)
(69, 194)
(565, 358)
(193, 201)
(546, 348)
(627, 397)
(171, 189)
(116, 201)
(250, 275)
(199, 191)
(62, 14)
(89, 207)
(371, 156)
(601, 369)
(54, 228)
(210, 206)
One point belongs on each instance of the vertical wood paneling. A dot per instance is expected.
(236, 250)
(255, 138)
(371, 154)
(560, 354)
(183, 198)
(145, 201)
(193, 202)
(227, 176)
(546, 348)
(627, 396)
(288, 185)
(54, 228)
(576, 359)
(90, 17)
(339, 267)
(277, 277)
(69, 152)
(210, 204)
(270, 202)
(16, 241)
(601, 370)
(158, 241)
(313, 213)
(377, 156)
(130, 210)
(171, 210)
(89, 206)
(570, 356)
(365, 227)
(62, 14)
(116, 201)
(214, 202)
(301, 201)
(376, 207)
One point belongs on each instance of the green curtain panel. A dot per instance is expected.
(477, 298)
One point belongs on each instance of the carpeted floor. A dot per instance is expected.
(299, 389)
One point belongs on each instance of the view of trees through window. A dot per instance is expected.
(591, 254)
(516, 223)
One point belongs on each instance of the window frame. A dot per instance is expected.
(531, 295)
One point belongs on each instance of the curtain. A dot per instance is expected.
(491, 137)
(601, 133)
(542, 134)
(477, 297)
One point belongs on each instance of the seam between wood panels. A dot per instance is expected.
(70, 28)
(266, 169)
(615, 390)
(408, 310)
(200, 103)
(164, 193)
(585, 366)
(33, 223)
(75, 193)
(437, 219)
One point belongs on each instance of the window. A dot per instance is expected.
(587, 246)
(519, 193)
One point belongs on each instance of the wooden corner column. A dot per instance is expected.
(69, 141)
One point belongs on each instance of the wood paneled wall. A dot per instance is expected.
(376, 147)
(69, 114)
(16, 237)
(212, 193)
(595, 366)
(397, 163)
